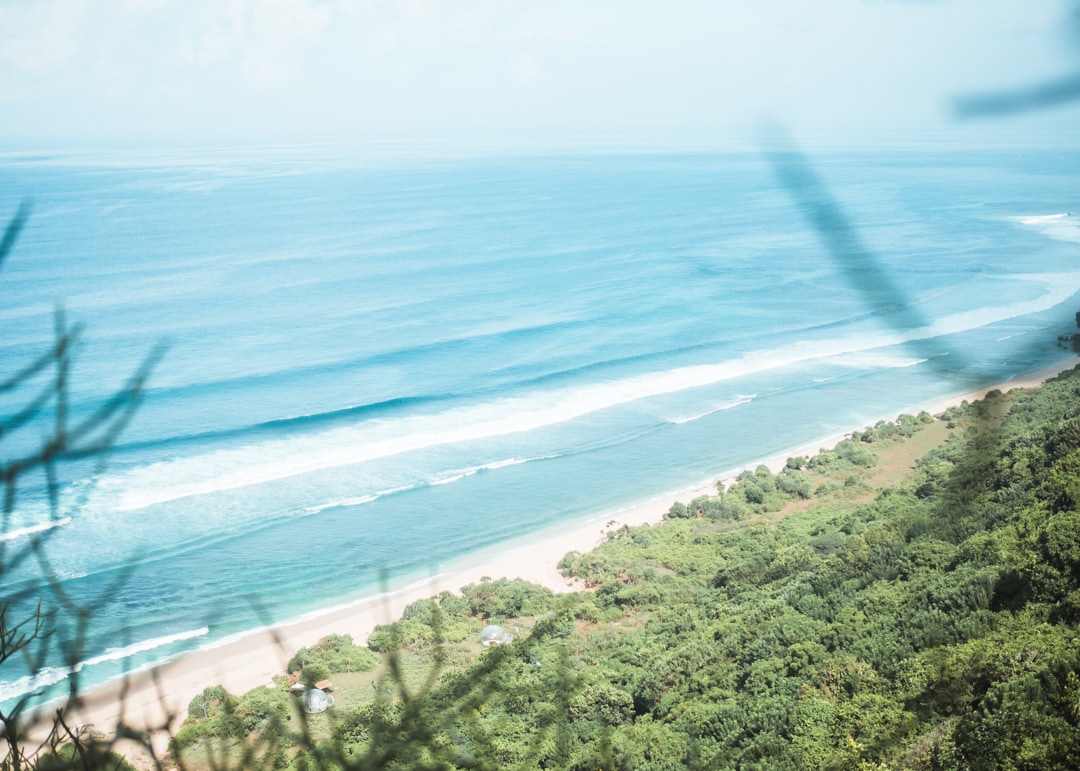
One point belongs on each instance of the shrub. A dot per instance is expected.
(264, 711)
(954, 413)
(67, 756)
(825, 488)
(337, 653)
(587, 611)
(765, 479)
(568, 564)
(728, 509)
(207, 702)
(507, 598)
(678, 511)
(752, 492)
(855, 454)
(822, 461)
(795, 483)
(603, 703)
(454, 605)
(190, 734)
(408, 633)
(313, 672)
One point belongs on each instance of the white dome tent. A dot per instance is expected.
(493, 634)
(316, 701)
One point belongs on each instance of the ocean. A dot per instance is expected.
(375, 366)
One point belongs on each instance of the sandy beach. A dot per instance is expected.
(154, 698)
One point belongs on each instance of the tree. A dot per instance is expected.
(314, 672)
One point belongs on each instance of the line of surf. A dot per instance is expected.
(25, 532)
(1060, 227)
(444, 478)
(736, 402)
(48, 676)
(380, 438)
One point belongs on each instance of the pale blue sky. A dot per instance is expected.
(118, 70)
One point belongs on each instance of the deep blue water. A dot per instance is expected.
(392, 365)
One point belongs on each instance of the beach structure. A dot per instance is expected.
(316, 701)
(493, 634)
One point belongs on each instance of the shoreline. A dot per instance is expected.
(156, 697)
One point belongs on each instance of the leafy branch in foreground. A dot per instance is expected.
(41, 394)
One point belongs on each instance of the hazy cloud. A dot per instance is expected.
(245, 68)
(41, 35)
(528, 69)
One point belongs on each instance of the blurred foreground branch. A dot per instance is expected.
(41, 391)
(1038, 97)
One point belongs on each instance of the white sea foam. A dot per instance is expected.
(1042, 218)
(876, 360)
(380, 438)
(737, 402)
(52, 675)
(1062, 227)
(23, 532)
(455, 476)
(1003, 338)
(12, 689)
(439, 479)
(358, 500)
(116, 654)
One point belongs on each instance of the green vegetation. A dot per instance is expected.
(1071, 342)
(334, 653)
(83, 755)
(800, 620)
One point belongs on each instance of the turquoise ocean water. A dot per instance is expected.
(394, 364)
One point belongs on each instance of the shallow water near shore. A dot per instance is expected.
(390, 366)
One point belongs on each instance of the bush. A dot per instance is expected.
(568, 564)
(822, 461)
(313, 672)
(603, 703)
(408, 633)
(679, 511)
(336, 653)
(88, 756)
(853, 481)
(954, 413)
(825, 488)
(855, 454)
(264, 711)
(728, 509)
(765, 479)
(795, 484)
(587, 611)
(208, 702)
(190, 734)
(909, 424)
(506, 598)
(752, 491)
(884, 430)
(454, 605)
